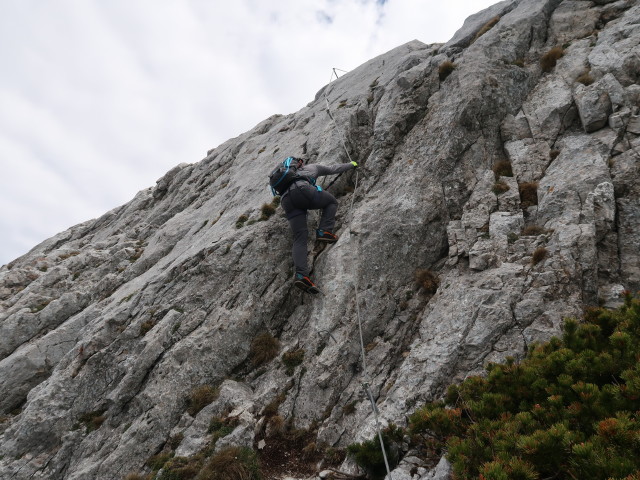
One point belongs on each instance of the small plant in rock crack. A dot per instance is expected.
(585, 78)
(349, 408)
(502, 169)
(267, 210)
(427, 280)
(445, 69)
(157, 461)
(93, 420)
(264, 348)
(200, 397)
(292, 359)
(500, 187)
(548, 60)
(486, 27)
(533, 230)
(241, 220)
(539, 255)
(146, 326)
(220, 427)
(528, 194)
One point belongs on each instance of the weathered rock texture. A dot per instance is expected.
(119, 318)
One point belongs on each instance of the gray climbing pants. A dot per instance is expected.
(301, 197)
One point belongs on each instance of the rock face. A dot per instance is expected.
(106, 329)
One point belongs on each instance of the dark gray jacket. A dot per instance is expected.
(316, 170)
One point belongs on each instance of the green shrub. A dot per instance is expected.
(156, 462)
(368, 454)
(181, 468)
(570, 409)
(200, 397)
(264, 348)
(221, 427)
(271, 409)
(549, 59)
(445, 69)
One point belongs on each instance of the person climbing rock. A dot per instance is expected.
(301, 195)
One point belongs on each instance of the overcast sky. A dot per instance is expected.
(99, 98)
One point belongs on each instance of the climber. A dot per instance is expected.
(302, 195)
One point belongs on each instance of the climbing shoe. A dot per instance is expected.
(327, 237)
(305, 284)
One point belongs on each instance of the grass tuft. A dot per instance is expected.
(528, 194)
(486, 27)
(232, 463)
(427, 280)
(200, 397)
(500, 187)
(445, 69)
(502, 169)
(539, 255)
(292, 359)
(532, 231)
(264, 348)
(549, 59)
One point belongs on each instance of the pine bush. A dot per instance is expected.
(569, 410)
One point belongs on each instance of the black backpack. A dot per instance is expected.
(283, 176)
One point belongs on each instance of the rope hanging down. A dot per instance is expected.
(365, 374)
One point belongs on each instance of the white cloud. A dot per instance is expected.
(99, 99)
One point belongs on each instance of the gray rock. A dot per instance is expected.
(579, 168)
(529, 158)
(573, 19)
(515, 128)
(472, 25)
(548, 107)
(634, 124)
(594, 106)
(443, 471)
(619, 120)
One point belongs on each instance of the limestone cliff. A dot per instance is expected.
(107, 328)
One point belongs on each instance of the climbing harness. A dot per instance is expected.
(365, 374)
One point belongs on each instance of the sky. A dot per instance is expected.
(100, 98)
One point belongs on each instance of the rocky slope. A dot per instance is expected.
(106, 329)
